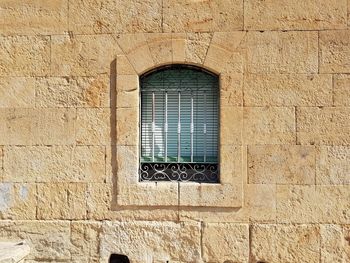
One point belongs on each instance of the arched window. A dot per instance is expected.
(179, 125)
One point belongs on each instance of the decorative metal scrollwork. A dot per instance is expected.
(181, 172)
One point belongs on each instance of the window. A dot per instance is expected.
(179, 125)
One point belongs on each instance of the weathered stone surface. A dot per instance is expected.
(128, 91)
(124, 67)
(231, 132)
(231, 90)
(17, 92)
(24, 55)
(61, 201)
(341, 90)
(13, 251)
(293, 15)
(34, 17)
(310, 204)
(127, 126)
(269, 125)
(280, 164)
(203, 16)
(282, 52)
(54, 164)
(328, 125)
(335, 243)
(288, 90)
(230, 163)
(72, 92)
(335, 51)
(225, 242)
(196, 48)
(83, 55)
(333, 165)
(48, 241)
(93, 126)
(284, 243)
(143, 241)
(160, 46)
(37, 126)
(17, 201)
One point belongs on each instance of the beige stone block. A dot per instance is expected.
(335, 51)
(282, 52)
(196, 48)
(160, 46)
(269, 125)
(128, 91)
(24, 55)
(127, 164)
(127, 126)
(85, 241)
(34, 17)
(285, 243)
(61, 201)
(288, 90)
(73, 92)
(310, 204)
(333, 165)
(83, 55)
(17, 92)
(1, 163)
(231, 125)
(92, 16)
(93, 126)
(99, 201)
(281, 164)
(220, 60)
(231, 89)
(178, 41)
(341, 90)
(54, 164)
(202, 16)
(49, 241)
(150, 241)
(225, 242)
(334, 243)
(293, 15)
(124, 67)
(231, 162)
(17, 201)
(328, 125)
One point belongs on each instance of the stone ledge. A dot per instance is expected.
(12, 252)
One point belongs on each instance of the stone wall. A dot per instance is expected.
(69, 127)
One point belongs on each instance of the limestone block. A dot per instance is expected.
(288, 90)
(282, 52)
(99, 201)
(281, 164)
(196, 48)
(310, 204)
(335, 243)
(202, 16)
(17, 92)
(48, 240)
(73, 92)
(14, 252)
(328, 125)
(231, 89)
(85, 241)
(231, 124)
(285, 243)
(146, 241)
(54, 164)
(333, 165)
(93, 126)
(128, 91)
(160, 46)
(225, 242)
(335, 51)
(124, 67)
(178, 41)
(61, 201)
(127, 126)
(24, 55)
(83, 55)
(92, 17)
(293, 15)
(17, 201)
(34, 17)
(231, 162)
(341, 90)
(127, 164)
(269, 125)
(1, 163)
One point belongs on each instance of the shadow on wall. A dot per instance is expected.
(115, 258)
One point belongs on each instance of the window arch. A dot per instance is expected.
(179, 125)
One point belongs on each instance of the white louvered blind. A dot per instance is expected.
(179, 116)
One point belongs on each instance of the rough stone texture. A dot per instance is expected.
(292, 164)
(341, 90)
(288, 90)
(325, 126)
(294, 15)
(17, 92)
(225, 242)
(231, 132)
(280, 243)
(13, 251)
(202, 16)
